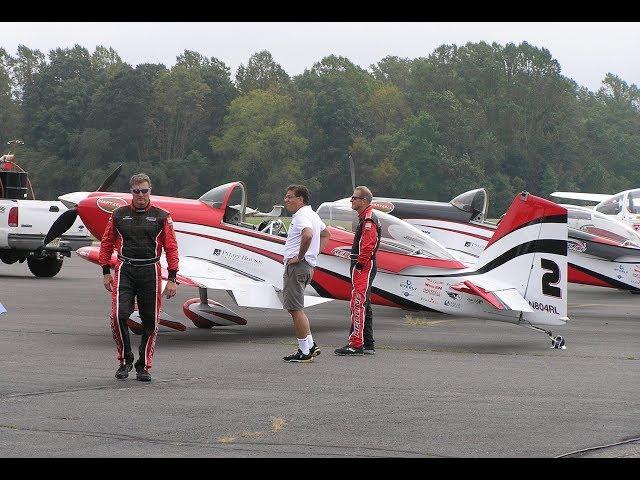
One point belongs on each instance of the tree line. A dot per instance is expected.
(501, 117)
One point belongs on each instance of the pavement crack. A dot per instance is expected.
(97, 387)
(236, 446)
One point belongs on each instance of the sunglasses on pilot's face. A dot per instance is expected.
(356, 198)
(140, 190)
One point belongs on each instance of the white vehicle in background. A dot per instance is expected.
(24, 222)
(623, 206)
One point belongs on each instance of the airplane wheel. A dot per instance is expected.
(48, 266)
(558, 342)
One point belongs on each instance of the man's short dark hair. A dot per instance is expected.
(139, 178)
(300, 191)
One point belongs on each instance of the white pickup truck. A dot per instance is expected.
(24, 224)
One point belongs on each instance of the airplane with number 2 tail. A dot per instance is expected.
(520, 278)
(602, 250)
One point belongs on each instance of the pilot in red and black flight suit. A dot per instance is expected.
(138, 236)
(363, 270)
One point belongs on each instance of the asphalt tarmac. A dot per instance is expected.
(438, 386)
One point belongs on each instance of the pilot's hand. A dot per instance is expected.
(171, 289)
(108, 282)
(293, 260)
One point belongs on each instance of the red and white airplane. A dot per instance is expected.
(602, 250)
(520, 277)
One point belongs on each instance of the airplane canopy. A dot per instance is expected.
(587, 220)
(473, 202)
(397, 235)
(230, 197)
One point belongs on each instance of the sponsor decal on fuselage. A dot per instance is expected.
(543, 307)
(341, 252)
(236, 257)
(407, 288)
(429, 299)
(475, 245)
(475, 300)
(452, 304)
(432, 287)
(453, 295)
(109, 204)
(577, 246)
(620, 271)
(385, 207)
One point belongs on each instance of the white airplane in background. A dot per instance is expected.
(624, 206)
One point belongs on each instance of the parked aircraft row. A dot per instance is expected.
(433, 256)
(602, 250)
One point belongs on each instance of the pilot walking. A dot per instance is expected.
(138, 232)
(363, 270)
(307, 237)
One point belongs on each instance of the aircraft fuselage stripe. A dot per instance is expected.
(556, 247)
(611, 281)
(259, 251)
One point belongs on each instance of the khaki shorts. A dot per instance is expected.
(295, 279)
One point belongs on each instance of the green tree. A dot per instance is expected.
(261, 145)
(261, 72)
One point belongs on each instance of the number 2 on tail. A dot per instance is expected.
(552, 276)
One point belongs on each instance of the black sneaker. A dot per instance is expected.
(348, 350)
(315, 350)
(369, 350)
(143, 375)
(299, 357)
(123, 371)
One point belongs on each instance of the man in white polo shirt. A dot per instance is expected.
(307, 236)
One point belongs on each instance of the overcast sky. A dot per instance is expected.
(586, 51)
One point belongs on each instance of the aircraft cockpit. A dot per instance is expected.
(397, 235)
(611, 206)
(232, 198)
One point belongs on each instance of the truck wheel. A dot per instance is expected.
(45, 267)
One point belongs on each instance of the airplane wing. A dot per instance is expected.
(589, 197)
(247, 291)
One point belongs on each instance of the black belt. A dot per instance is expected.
(138, 262)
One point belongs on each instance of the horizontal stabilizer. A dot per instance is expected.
(498, 296)
(469, 287)
(513, 300)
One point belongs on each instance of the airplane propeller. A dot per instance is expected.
(64, 221)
